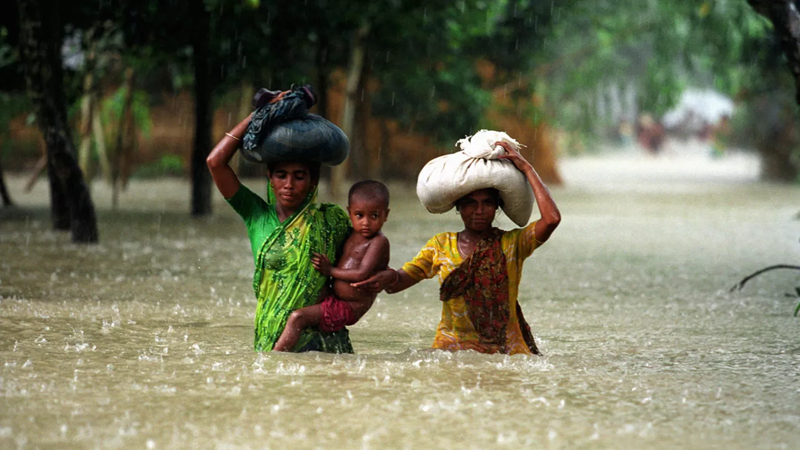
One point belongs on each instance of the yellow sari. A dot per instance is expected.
(440, 256)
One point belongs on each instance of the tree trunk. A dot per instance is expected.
(3, 191)
(780, 141)
(87, 111)
(40, 43)
(386, 159)
(601, 113)
(201, 177)
(41, 164)
(245, 108)
(776, 148)
(631, 111)
(785, 20)
(59, 208)
(777, 164)
(131, 142)
(82, 220)
(615, 103)
(355, 69)
(544, 159)
(326, 172)
(322, 77)
(125, 138)
(366, 163)
(100, 141)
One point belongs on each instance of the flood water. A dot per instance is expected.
(145, 341)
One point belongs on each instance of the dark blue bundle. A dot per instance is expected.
(285, 131)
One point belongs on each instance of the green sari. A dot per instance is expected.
(284, 278)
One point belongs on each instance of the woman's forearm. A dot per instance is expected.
(547, 206)
(403, 282)
(550, 215)
(218, 160)
(390, 280)
(222, 153)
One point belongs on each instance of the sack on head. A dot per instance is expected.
(447, 178)
(312, 138)
(285, 131)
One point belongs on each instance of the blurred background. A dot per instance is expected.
(666, 131)
(143, 89)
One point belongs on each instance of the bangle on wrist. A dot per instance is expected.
(232, 136)
(396, 278)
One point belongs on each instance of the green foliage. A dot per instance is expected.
(659, 47)
(13, 102)
(112, 110)
(427, 73)
(12, 105)
(7, 55)
(424, 55)
(168, 165)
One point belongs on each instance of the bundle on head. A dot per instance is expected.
(283, 130)
(447, 178)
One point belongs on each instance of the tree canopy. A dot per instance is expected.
(422, 58)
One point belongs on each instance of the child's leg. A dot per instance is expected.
(298, 321)
(357, 310)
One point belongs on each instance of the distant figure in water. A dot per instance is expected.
(650, 134)
(366, 251)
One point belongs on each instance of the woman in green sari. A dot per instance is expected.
(284, 231)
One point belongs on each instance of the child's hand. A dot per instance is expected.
(322, 264)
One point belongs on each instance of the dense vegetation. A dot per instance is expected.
(422, 59)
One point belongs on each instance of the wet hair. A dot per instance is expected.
(370, 190)
(492, 191)
(313, 169)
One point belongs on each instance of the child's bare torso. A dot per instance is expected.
(353, 253)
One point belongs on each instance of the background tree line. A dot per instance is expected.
(437, 68)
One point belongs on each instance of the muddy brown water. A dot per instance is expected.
(145, 340)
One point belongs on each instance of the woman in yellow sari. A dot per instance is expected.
(479, 270)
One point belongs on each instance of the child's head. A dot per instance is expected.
(368, 206)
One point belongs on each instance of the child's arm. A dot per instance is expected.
(377, 252)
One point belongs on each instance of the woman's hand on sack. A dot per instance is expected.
(279, 97)
(322, 264)
(514, 156)
(551, 217)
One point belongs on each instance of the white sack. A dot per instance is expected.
(448, 178)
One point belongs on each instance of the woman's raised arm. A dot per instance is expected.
(551, 217)
(224, 177)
